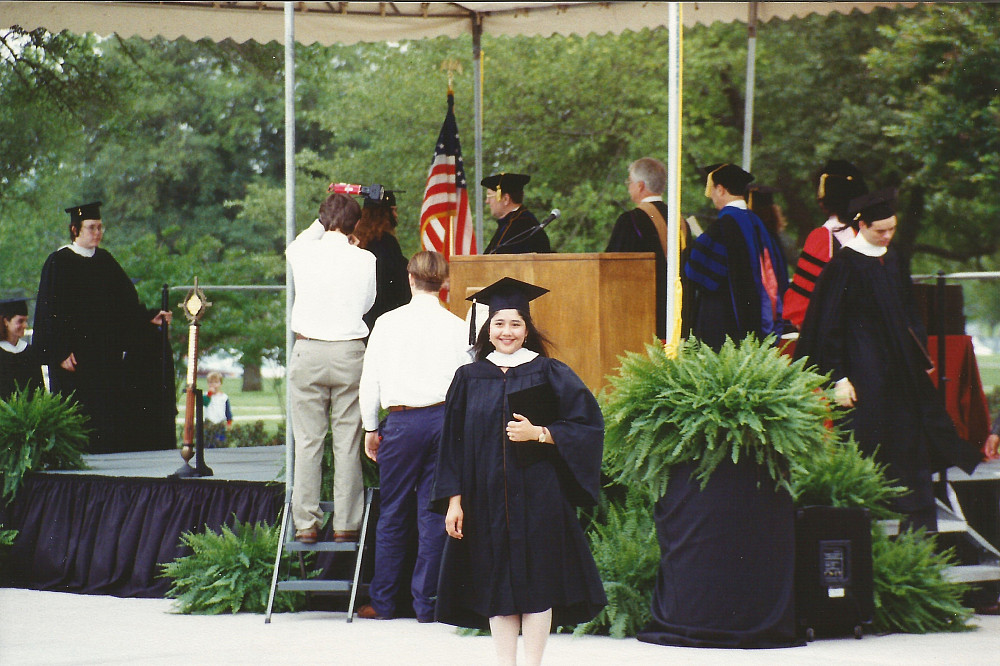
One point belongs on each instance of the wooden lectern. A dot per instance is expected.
(598, 307)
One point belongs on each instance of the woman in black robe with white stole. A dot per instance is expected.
(19, 367)
(517, 558)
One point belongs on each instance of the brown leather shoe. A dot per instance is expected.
(309, 535)
(341, 536)
(368, 612)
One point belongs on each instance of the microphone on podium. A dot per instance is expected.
(553, 215)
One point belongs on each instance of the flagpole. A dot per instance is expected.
(451, 218)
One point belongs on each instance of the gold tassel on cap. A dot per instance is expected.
(710, 183)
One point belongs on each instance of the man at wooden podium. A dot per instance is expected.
(518, 230)
(644, 228)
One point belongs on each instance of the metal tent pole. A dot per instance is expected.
(673, 166)
(289, 228)
(477, 93)
(750, 86)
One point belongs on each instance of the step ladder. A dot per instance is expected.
(287, 543)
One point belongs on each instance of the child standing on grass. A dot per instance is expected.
(217, 409)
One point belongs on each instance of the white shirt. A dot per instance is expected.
(842, 232)
(334, 285)
(651, 199)
(737, 203)
(412, 357)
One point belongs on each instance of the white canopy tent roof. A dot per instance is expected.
(351, 22)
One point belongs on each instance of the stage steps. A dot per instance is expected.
(951, 523)
(289, 544)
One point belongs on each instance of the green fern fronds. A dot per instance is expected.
(840, 475)
(911, 593)
(706, 407)
(229, 572)
(627, 554)
(39, 431)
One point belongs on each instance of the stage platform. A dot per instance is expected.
(108, 529)
(254, 463)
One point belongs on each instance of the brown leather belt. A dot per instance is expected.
(404, 408)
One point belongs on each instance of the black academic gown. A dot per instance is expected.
(728, 303)
(523, 550)
(392, 286)
(515, 224)
(635, 232)
(88, 306)
(862, 324)
(19, 370)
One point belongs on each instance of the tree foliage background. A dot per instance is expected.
(183, 141)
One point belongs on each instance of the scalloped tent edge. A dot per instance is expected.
(351, 22)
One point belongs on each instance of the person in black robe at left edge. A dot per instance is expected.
(735, 266)
(19, 366)
(520, 449)
(87, 318)
(518, 231)
(862, 328)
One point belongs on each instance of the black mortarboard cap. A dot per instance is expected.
(11, 307)
(730, 176)
(89, 211)
(504, 294)
(386, 198)
(761, 195)
(841, 180)
(872, 207)
(506, 182)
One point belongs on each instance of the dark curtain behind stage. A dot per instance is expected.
(108, 535)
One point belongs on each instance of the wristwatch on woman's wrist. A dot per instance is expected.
(541, 436)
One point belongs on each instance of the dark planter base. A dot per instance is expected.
(727, 557)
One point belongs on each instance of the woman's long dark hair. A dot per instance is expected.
(536, 341)
(376, 221)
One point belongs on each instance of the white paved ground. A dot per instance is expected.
(58, 628)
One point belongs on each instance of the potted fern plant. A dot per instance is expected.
(712, 436)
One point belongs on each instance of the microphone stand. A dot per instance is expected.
(523, 236)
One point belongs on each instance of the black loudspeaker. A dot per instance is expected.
(833, 571)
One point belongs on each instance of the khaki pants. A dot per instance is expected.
(323, 382)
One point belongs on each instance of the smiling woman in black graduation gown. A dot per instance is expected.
(515, 484)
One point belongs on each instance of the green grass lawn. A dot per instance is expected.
(270, 401)
(989, 369)
(267, 405)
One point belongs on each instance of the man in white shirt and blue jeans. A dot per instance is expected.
(412, 356)
(334, 287)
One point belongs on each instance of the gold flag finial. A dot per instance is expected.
(451, 65)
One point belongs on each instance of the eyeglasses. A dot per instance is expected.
(93, 228)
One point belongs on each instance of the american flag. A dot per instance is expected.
(446, 197)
